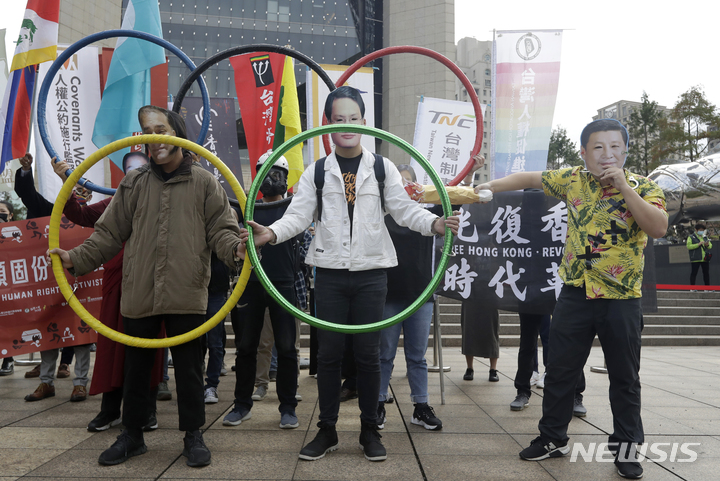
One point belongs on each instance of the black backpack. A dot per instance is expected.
(320, 181)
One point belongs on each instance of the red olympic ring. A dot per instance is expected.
(443, 60)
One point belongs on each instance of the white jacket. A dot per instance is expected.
(371, 246)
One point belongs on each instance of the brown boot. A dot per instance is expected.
(34, 372)
(63, 371)
(43, 390)
(79, 394)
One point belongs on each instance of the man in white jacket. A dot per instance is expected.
(351, 250)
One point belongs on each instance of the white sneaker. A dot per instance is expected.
(211, 395)
(223, 369)
(541, 382)
(260, 393)
(534, 378)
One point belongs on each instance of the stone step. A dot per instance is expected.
(690, 302)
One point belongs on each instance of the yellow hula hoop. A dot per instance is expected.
(54, 242)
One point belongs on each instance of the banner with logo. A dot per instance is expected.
(445, 135)
(507, 254)
(221, 138)
(258, 78)
(72, 105)
(316, 93)
(526, 71)
(34, 315)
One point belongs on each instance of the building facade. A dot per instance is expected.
(474, 57)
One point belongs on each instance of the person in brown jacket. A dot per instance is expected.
(170, 213)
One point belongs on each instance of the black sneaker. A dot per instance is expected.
(627, 463)
(152, 423)
(381, 418)
(103, 422)
(326, 440)
(469, 374)
(424, 415)
(370, 443)
(195, 450)
(8, 367)
(493, 377)
(123, 449)
(539, 449)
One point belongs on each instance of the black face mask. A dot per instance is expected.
(275, 183)
(4, 217)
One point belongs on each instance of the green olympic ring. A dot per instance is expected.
(252, 251)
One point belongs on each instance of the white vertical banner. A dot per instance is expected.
(316, 94)
(72, 105)
(526, 73)
(445, 134)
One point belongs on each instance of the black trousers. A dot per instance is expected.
(529, 330)
(706, 272)
(187, 360)
(356, 298)
(618, 324)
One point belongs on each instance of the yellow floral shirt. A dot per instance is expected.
(604, 245)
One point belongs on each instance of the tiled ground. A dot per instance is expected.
(480, 439)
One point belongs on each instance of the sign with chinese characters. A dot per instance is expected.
(221, 138)
(509, 250)
(34, 315)
(258, 78)
(445, 134)
(526, 71)
(72, 105)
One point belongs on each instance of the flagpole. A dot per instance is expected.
(32, 107)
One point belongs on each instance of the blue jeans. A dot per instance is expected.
(416, 331)
(351, 298)
(214, 340)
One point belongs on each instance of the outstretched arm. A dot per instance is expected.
(517, 181)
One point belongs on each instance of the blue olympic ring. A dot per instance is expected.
(45, 89)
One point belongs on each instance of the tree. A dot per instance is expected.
(562, 151)
(644, 130)
(686, 131)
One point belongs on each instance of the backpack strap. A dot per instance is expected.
(319, 184)
(380, 177)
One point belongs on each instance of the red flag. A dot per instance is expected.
(258, 78)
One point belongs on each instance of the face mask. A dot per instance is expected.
(4, 217)
(275, 183)
(701, 233)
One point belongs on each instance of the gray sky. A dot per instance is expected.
(612, 50)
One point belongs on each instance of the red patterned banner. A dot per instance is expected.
(34, 315)
(258, 78)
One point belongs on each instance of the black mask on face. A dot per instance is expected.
(4, 217)
(275, 183)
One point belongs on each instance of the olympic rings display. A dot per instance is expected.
(68, 52)
(252, 251)
(54, 242)
(231, 52)
(443, 60)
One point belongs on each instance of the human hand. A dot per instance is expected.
(64, 257)
(261, 234)
(240, 249)
(26, 161)
(60, 168)
(615, 177)
(453, 222)
(485, 193)
(479, 162)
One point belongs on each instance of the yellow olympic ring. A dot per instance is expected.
(54, 242)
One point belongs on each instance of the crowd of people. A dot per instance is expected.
(171, 243)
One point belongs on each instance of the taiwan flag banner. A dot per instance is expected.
(526, 71)
(34, 315)
(258, 81)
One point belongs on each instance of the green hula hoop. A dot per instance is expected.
(359, 129)
(54, 242)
